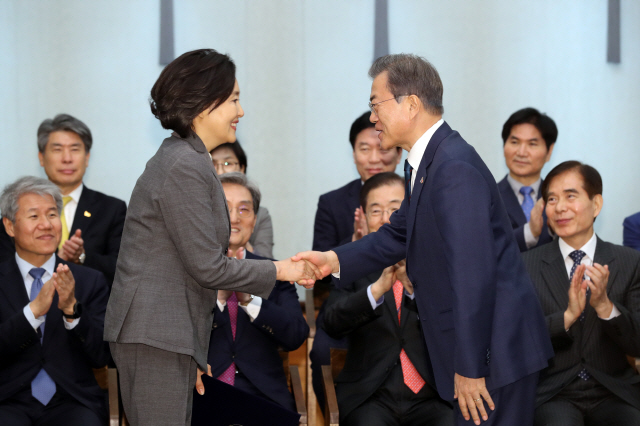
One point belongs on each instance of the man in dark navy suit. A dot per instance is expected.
(92, 222)
(529, 138)
(249, 330)
(51, 318)
(483, 325)
(631, 233)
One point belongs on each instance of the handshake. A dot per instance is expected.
(306, 267)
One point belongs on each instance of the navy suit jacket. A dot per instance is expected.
(631, 234)
(101, 219)
(479, 312)
(68, 356)
(518, 219)
(334, 218)
(280, 324)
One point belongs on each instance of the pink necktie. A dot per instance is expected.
(229, 375)
(411, 376)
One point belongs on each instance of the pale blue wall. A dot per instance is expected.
(302, 69)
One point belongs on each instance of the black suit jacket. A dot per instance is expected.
(518, 219)
(600, 346)
(375, 340)
(280, 324)
(101, 219)
(67, 355)
(334, 218)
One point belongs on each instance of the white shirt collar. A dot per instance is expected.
(589, 248)
(417, 151)
(24, 266)
(76, 193)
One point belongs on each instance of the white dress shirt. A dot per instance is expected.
(417, 151)
(589, 249)
(49, 267)
(252, 309)
(72, 206)
(529, 239)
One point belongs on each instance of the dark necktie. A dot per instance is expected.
(42, 387)
(527, 203)
(229, 375)
(577, 256)
(407, 180)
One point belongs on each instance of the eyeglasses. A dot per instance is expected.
(227, 166)
(243, 211)
(373, 107)
(377, 212)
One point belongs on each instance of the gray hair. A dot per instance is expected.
(27, 185)
(239, 178)
(63, 122)
(411, 75)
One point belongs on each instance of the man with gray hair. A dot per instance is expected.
(92, 222)
(484, 329)
(51, 318)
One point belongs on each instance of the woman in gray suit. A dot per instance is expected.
(173, 251)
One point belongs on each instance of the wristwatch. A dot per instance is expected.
(81, 258)
(248, 301)
(77, 311)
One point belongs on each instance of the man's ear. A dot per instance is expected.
(597, 199)
(8, 226)
(414, 105)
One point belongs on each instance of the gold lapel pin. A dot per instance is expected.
(421, 181)
(87, 214)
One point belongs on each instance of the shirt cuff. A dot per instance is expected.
(35, 322)
(614, 313)
(374, 303)
(337, 274)
(529, 239)
(410, 296)
(70, 325)
(253, 308)
(221, 305)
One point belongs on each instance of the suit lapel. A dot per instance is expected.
(554, 273)
(390, 303)
(85, 204)
(12, 285)
(422, 173)
(603, 256)
(511, 202)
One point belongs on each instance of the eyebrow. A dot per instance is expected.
(372, 97)
(61, 144)
(517, 138)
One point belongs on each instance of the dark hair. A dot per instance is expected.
(238, 178)
(545, 125)
(592, 181)
(67, 123)
(375, 182)
(190, 84)
(359, 125)
(411, 75)
(237, 150)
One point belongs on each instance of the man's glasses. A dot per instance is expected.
(243, 211)
(374, 107)
(226, 166)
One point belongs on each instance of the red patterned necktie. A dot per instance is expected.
(411, 376)
(229, 375)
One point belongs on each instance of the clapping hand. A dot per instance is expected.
(577, 297)
(72, 248)
(359, 224)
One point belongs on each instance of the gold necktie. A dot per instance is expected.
(63, 219)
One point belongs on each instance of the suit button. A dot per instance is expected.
(233, 356)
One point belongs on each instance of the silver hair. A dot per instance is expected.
(26, 185)
(239, 178)
(63, 122)
(411, 75)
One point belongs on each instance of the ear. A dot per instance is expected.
(549, 152)
(414, 105)
(242, 169)
(8, 226)
(41, 158)
(598, 201)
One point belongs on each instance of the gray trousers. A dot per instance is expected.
(156, 385)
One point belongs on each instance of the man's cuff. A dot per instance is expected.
(35, 322)
(337, 274)
(221, 305)
(253, 308)
(529, 239)
(374, 303)
(614, 313)
(410, 296)
(70, 325)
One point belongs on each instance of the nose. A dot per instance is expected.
(386, 216)
(218, 167)
(46, 222)
(66, 155)
(560, 205)
(234, 216)
(373, 117)
(375, 155)
(240, 110)
(522, 150)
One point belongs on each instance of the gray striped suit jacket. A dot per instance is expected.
(600, 346)
(173, 255)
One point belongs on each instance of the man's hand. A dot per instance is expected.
(248, 247)
(470, 393)
(199, 385)
(536, 222)
(72, 248)
(326, 261)
(243, 298)
(577, 297)
(360, 227)
(401, 274)
(65, 285)
(224, 295)
(384, 283)
(41, 304)
(599, 300)
(300, 271)
(238, 254)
